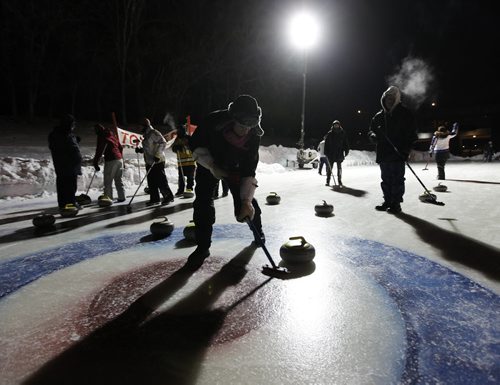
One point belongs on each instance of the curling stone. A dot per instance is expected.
(440, 188)
(83, 199)
(273, 199)
(162, 228)
(104, 201)
(189, 231)
(44, 220)
(426, 197)
(70, 210)
(297, 252)
(188, 194)
(324, 210)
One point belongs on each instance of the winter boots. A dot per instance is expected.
(390, 208)
(383, 207)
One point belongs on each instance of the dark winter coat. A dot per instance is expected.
(108, 143)
(336, 145)
(399, 126)
(65, 151)
(211, 134)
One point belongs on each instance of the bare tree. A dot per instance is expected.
(124, 18)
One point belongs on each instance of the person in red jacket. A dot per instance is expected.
(109, 145)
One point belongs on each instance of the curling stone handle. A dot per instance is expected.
(302, 239)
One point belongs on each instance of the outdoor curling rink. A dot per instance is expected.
(103, 302)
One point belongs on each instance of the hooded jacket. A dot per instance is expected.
(336, 144)
(393, 126)
(65, 150)
(107, 143)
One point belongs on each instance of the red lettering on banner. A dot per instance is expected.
(133, 138)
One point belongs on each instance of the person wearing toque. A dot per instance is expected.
(226, 146)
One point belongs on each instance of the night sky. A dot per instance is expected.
(92, 57)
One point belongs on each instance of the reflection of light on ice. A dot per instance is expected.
(306, 302)
(333, 326)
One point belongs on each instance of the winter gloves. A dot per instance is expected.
(246, 211)
(247, 190)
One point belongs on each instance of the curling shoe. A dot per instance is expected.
(383, 207)
(394, 209)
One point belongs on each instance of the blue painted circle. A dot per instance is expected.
(452, 323)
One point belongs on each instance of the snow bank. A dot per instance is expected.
(32, 176)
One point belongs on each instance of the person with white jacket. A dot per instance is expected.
(322, 156)
(153, 147)
(440, 147)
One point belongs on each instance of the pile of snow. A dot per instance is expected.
(35, 176)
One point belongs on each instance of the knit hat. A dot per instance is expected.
(66, 122)
(246, 112)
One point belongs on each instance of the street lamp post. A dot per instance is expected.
(304, 34)
(303, 115)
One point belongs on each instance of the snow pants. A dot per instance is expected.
(225, 188)
(157, 182)
(186, 172)
(113, 172)
(329, 170)
(441, 158)
(66, 186)
(322, 161)
(204, 209)
(393, 181)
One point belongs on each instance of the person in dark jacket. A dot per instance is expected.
(226, 146)
(394, 131)
(336, 149)
(186, 165)
(67, 159)
(109, 145)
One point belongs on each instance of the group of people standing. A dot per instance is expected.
(67, 159)
(225, 148)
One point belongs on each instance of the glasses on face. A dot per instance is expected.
(248, 122)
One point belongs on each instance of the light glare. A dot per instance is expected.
(303, 30)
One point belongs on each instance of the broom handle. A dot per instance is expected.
(259, 241)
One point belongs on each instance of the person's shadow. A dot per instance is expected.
(349, 190)
(456, 247)
(139, 347)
